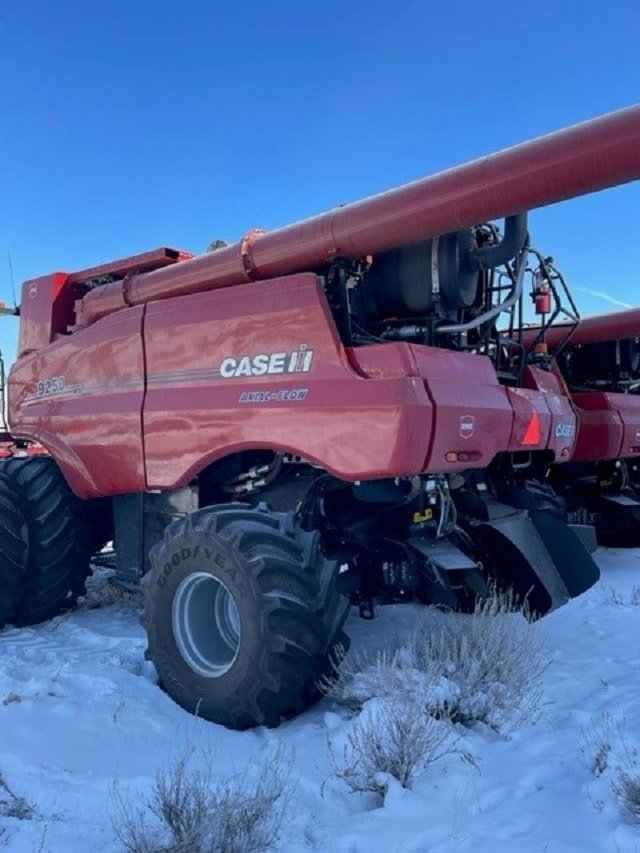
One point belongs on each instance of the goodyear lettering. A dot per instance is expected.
(188, 554)
(166, 571)
(267, 364)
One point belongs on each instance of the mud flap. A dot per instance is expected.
(518, 560)
(618, 521)
(572, 560)
(586, 533)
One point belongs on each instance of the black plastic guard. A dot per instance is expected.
(586, 533)
(518, 559)
(575, 564)
(572, 559)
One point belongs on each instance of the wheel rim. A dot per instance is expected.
(206, 625)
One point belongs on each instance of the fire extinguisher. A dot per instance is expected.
(541, 294)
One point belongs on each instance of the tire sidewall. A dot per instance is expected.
(210, 554)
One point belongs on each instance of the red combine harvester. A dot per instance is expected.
(600, 363)
(316, 417)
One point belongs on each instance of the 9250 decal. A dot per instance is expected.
(51, 386)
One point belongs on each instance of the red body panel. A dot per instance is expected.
(147, 397)
(329, 414)
(45, 308)
(557, 418)
(473, 414)
(82, 398)
(609, 426)
(366, 413)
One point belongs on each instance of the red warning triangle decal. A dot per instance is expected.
(532, 435)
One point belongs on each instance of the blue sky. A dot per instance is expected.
(129, 125)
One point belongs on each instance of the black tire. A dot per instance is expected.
(278, 620)
(13, 551)
(59, 539)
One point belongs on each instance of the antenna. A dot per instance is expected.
(4, 425)
(14, 311)
(11, 311)
(11, 280)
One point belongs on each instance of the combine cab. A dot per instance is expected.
(319, 417)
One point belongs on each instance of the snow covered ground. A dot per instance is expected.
(80, 711)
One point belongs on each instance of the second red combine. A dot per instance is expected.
(600, 364)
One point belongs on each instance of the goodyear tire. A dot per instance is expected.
(13, 551)
(58, 539)
(242, 615)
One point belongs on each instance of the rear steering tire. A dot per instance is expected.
(242, 615)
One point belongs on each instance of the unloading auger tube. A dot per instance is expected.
(582, 159)
(617, 326)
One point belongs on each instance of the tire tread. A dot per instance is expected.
(302, 612)
(59, 539)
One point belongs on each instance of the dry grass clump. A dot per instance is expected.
(12, 804)
(615, 596)
(391, 738)
(626, 788)
(484, 667)
(607, 753)
(187, 813)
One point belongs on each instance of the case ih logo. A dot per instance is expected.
(467, 426)
(564, 431)
(268, 364)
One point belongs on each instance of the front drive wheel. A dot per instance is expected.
(14, 550)
(242, 615)
(57, 536)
